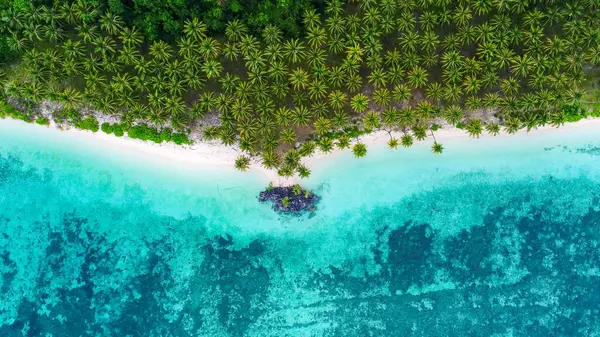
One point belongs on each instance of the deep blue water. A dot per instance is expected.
(483, 242)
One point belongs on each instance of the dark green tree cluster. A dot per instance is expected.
(362, 64)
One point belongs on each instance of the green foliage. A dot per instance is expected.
(88, 123)
(435, 127)
(42, 121)
(118, 129)
(285, 202)
(573, 113)
(147, 133)
(106, 128)
(7, 110)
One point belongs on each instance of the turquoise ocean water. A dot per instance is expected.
(497, 237)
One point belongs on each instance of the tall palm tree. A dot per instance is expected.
(195, 29)
(111, 23)
(359, 150)
(359, 103)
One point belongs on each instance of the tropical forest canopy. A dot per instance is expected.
(282, 78)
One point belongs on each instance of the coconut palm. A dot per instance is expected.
(111, 23)
(337, 99)
(301, 116)
(371, 120)
(493, 128)
(359, 150)
(474, 128)
(359, 103)
(402, 93)
(417, 77)
(382, 96)
(406, 140)
(420, 131)
(293, 49)
(242, 163)
(437, 148)
(196, 29)
(299, 79)
(212, 68)
(209, 48)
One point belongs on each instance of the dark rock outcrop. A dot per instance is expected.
(289, 199)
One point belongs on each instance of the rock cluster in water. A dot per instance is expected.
(289, 199)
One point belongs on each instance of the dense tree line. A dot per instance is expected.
(359, 65)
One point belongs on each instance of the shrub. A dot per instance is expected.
(180, 138)
(7, 110)
(118, 130)
(435, 127)
(106, 128)
(89, 123)
(42, 121)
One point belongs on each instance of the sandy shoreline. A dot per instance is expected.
(217, 155)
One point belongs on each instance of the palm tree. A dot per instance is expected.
(417, 77)
(371, 120)
(420, 131)
(474, 128)
(230, 50)
(212, 68)
(270, 159)
(248, 44)
(406, 140)
(340, 120)
(493, 128)
(325, 144)
(378, 78)
(316, 37)
(359, 103)
(437, 148)
(301, 116)
(299, 79)
(288, 136)
(359, 150)
(293, 49)
(522, 65)
(402, 93)
(382, 96)
(132, 37)
(558, 118)
(337, 99)
(129, 56)
(317, 90)
(343, 142)
(322, 125)
(195, 29)
(161, 51)
(209, 48)
(71, 98)
(111, 23)
(242, 163)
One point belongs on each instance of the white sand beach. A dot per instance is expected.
(215, 154)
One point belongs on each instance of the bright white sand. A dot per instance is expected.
(218, 155)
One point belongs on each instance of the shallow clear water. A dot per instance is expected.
(497, 237)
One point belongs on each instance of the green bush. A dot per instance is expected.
(573, 113)
(180, 138)
(42, 121)
(118, 130)
(144, 132)
(435, 127)
(7, 110)
(106, 128)
(88, 123)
